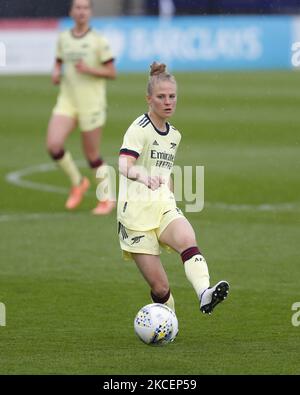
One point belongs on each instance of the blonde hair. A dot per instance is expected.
(158, 73)
(73, 1)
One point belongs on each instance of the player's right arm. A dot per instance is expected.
(57, 72)
(133, 144)
(57, 69)
(129, 169)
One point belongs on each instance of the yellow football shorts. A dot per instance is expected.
(146, 242)
(87, 118)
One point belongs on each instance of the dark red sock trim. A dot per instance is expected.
(158, 299)
(59, 155)
(94, 164)
(189, 253)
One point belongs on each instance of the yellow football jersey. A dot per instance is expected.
(140, 208)
(83, 90)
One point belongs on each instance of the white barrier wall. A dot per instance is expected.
(28, 46)
(28, 51)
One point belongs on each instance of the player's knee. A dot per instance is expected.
(95, 163)
(56, 153)
(186, 241)
(54, 148)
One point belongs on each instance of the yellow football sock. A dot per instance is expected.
(170, 303)
(69, 167)
(196, 271)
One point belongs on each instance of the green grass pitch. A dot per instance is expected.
(71, 300)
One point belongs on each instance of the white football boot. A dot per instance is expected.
(213, 296)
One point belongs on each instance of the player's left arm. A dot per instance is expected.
(171, 184)
(106, 70)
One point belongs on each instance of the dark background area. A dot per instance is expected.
(58, 8)
(230, 6)
(33, 8)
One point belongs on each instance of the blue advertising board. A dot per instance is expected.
(199, 42)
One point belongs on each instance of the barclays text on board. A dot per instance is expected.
(198, 43)
(184, 43)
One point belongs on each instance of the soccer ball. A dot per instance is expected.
(156, 324)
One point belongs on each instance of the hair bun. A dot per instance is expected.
(157, 68)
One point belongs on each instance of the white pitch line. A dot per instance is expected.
(35, 216)
(253, 207)
(16, 178)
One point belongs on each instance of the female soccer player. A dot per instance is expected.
(147, 212)
(83, 63)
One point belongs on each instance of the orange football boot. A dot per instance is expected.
(77, 193)
(104, 208)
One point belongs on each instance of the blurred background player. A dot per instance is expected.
(147, 212)
(166, 8)
(83, 63)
